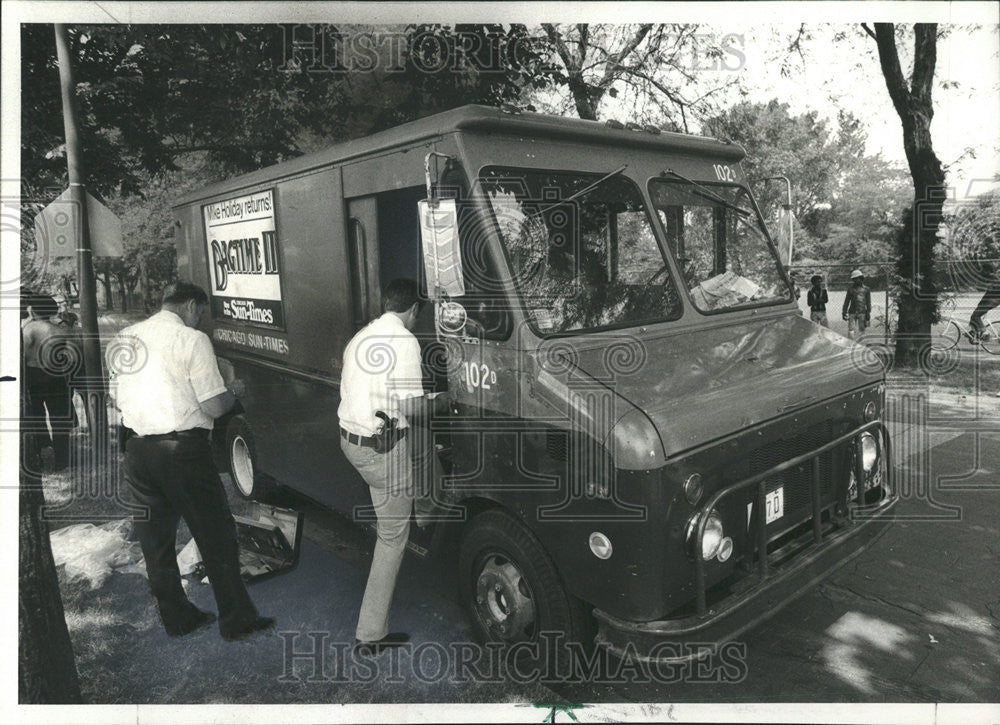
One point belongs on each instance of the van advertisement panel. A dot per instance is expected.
(243, 260)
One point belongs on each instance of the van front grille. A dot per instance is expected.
(797, 482)
(557, 444)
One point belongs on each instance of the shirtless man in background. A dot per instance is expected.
(50, 356)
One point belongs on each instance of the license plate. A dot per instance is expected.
(774, 506)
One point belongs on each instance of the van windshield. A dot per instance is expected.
(582, 252)
(720, 245)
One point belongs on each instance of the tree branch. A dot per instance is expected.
(924, 61)
(888, 57)
(868, 30)
(668, 92)
(556, 39)
(615, 63)
(584, 31)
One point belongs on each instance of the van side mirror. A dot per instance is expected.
(442, 255)
(450, 318)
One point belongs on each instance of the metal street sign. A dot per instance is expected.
(57, 228)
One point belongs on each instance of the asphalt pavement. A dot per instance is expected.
(916, 617)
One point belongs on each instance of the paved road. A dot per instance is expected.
(914, 618)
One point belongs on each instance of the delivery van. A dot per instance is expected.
(643, 430)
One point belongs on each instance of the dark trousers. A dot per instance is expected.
(50, 393)
(990, 300)
(172, 479)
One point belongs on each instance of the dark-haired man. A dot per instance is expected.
(817, 299)
(382, 376)
(168, 387)
(50, 354)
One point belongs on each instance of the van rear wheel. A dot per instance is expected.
(510, 586)
(248, 481)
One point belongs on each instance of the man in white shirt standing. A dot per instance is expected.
(165, 380)
(382, 374)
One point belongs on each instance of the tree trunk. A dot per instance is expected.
(103, 279)
(46, 664)
(144, 285)
(584, 96)
(121, 290)
(916, 297)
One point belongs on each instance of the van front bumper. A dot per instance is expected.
(760, 594)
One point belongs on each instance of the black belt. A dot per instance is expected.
(364, 441)
(178, 434)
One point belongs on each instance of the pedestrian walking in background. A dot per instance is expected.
(817, 299)
(857, 305)
(169, 391)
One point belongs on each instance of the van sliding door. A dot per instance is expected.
(362, 247)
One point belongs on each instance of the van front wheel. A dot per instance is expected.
(248, 481)
(511, 587)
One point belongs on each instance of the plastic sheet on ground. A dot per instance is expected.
(93, 552)
(188, 558)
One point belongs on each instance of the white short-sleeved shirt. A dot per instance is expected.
(160, 371)
(381, 367)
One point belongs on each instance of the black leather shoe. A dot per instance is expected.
(259, 624)
(200, 620)
(370, 649)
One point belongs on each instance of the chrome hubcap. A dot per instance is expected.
(504, 601)
(242, 465)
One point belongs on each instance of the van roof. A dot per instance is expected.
(474, 118)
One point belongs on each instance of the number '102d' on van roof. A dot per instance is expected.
(478, 120)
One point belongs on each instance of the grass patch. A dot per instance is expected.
(958, 371)
(124, 656)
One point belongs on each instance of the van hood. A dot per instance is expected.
(700, 385)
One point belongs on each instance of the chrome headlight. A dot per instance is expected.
(870, 412)
(713, 537)
(693, 488)
(869, 452)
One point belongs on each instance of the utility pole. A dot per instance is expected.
(93, 369)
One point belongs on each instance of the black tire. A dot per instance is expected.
(950, 336)
(241, 458)
(498, 553)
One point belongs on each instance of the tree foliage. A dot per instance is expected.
(845, 203)
(973, 237)
(974, 228)
(166, 104)
(658, 66)
(150, 94)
